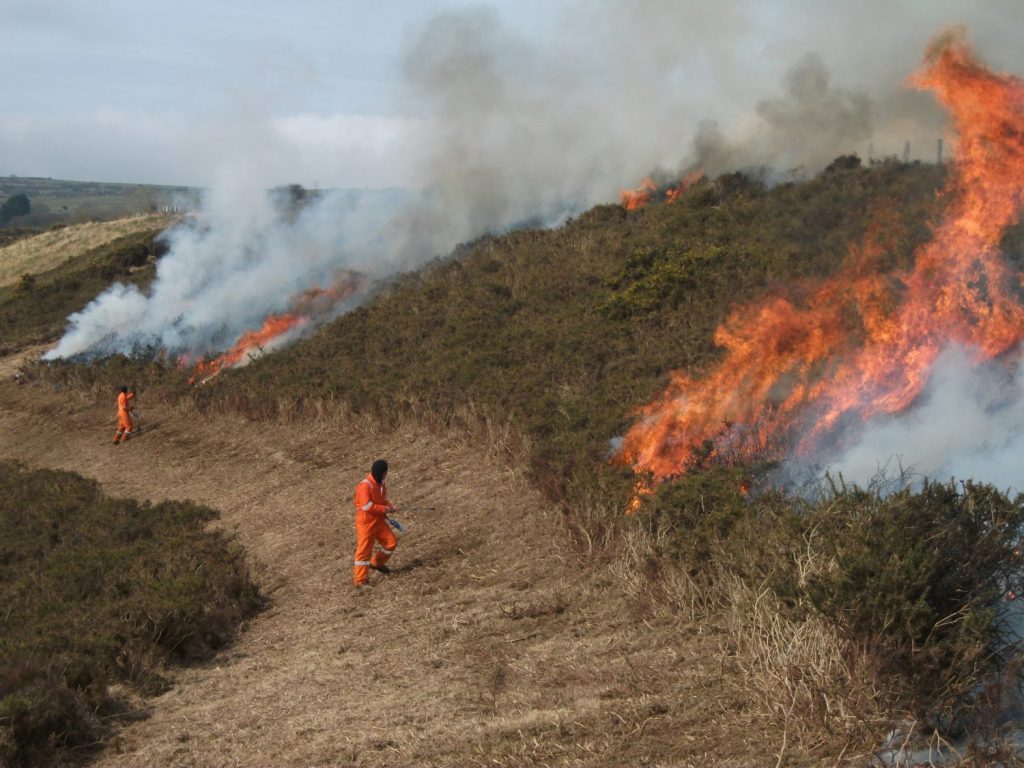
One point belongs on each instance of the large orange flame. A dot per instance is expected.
(862, 343)
(632, 199)
(305, 308)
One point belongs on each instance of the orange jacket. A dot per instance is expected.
(123, 404)
(372, 497)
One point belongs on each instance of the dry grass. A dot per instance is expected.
(50, 249)
(513, 633)
(494, 643)
(796, 672)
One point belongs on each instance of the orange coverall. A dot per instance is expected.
(124, 416)
(371, 506)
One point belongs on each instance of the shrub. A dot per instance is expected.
(918, 581)
(917, 584)
(97, 591)
(15, 205)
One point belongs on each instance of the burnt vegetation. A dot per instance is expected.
(562, 334)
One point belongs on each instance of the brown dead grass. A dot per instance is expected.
(50, 249)
(504, 638)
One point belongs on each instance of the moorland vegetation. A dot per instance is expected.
(34, 309)
(98, 594)
(846, 606)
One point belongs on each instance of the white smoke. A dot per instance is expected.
(968, 423)
(248, 256)
(508, 130)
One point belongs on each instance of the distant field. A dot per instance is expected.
(56, 201)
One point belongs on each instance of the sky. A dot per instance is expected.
(334, 93)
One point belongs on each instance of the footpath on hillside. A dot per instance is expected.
(493, 643)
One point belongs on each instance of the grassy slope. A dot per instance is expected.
(34, 309)
(566, 331)
(47, 250)
(494, 642)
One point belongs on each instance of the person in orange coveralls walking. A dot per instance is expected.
(124, 415)
(372, 506)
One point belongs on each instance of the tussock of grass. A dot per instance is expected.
(99, 593)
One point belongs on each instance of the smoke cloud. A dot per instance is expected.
(501, 127)
(248, 256)
(969, 423)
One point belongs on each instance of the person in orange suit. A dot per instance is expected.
(124, 415)
(372, 506)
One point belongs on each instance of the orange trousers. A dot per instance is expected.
(371, 529)
(124, 426)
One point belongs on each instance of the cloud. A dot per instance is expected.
(139, 147)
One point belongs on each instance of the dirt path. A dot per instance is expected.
(491, 645)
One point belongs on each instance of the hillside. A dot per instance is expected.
(495, 642)
(565, 332)
(42, 252)
(717, 625)
(59, 272)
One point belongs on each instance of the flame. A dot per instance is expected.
(641, 489)
(307, 307)
(249, 343)
(680, 189)
(632, 199)
(862, 343)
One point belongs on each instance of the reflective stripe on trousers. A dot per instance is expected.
(371, 529)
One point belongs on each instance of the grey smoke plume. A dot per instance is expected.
(803, 128)
(812, 118)
(510, 130)
(969, 423)
(524, 132)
